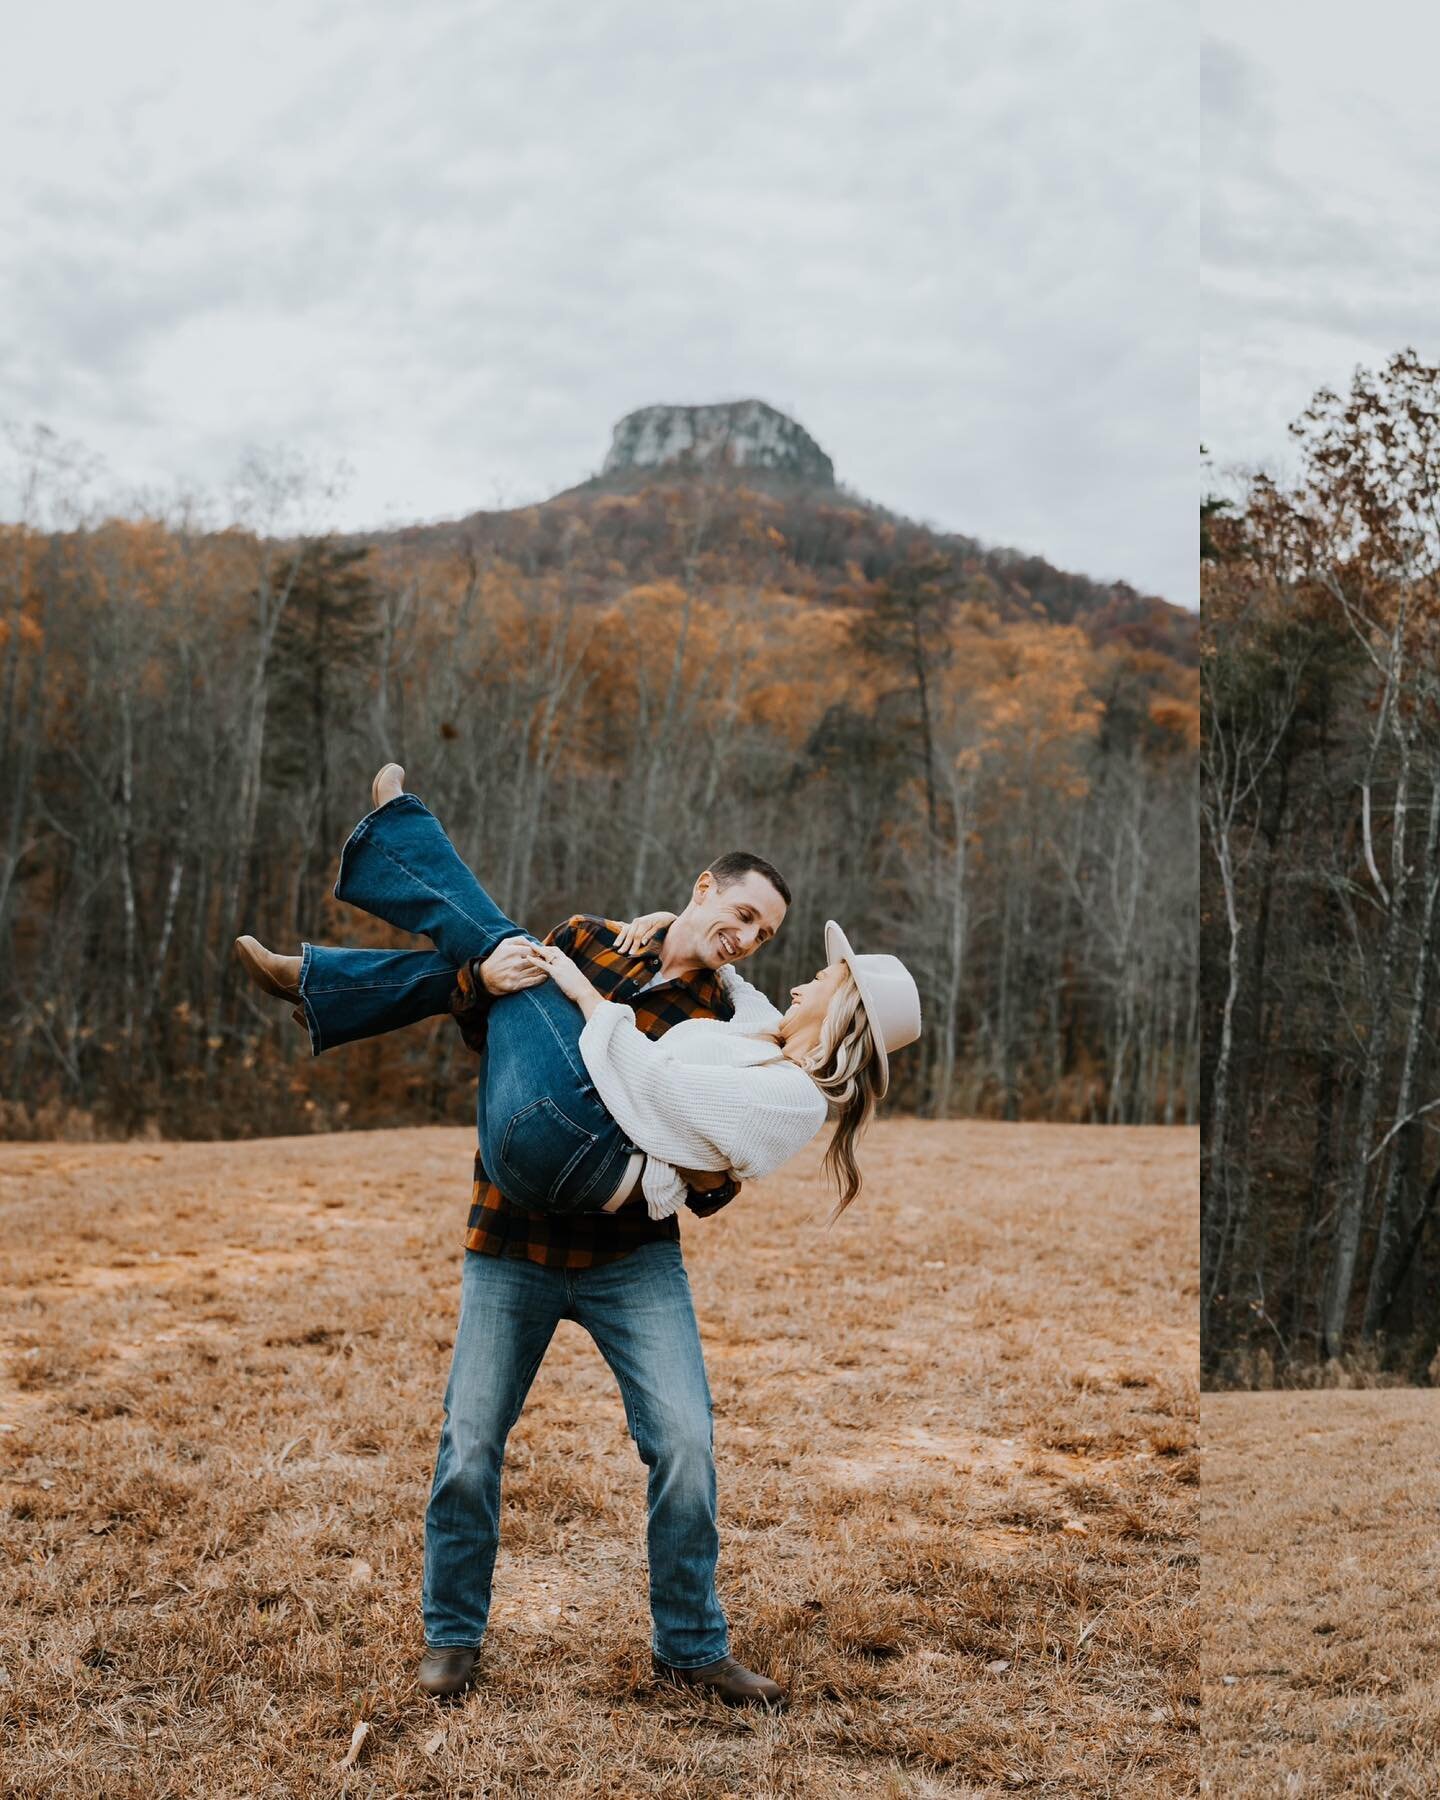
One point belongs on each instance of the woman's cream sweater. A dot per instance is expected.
(710, 1094)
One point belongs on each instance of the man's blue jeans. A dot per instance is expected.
(639, 1311)
(545, 1136)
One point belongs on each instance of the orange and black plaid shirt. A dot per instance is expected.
(500, 1228)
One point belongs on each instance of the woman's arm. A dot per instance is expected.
(752, 1012)
(699, 1115)
(567, 975)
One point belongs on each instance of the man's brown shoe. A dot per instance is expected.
(277, 975)
(728, 1680)
(445, 1673)
(389, 784)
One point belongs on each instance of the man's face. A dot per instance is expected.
(733, 922)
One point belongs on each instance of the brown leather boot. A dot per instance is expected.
(728, 1680)
(275, 975)
(389, 784)
(448, 1672)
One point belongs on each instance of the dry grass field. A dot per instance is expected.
(1322, 1593)
(956, 1440)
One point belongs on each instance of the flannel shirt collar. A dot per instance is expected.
(704, 984)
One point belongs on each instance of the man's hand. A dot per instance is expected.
(704, 1181)
(638, 933)
(512, 965)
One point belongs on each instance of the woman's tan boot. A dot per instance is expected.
(389, 784)
(275, 975)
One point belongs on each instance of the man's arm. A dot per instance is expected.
(712, 1192)
(506, 970)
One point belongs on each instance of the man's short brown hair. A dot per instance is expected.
(735, 865)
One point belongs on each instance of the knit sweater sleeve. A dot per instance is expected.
(698, 1115)
(753, 1012)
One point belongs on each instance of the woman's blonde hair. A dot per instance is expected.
(844, 1066)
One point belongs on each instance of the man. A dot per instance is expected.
(621, 1276)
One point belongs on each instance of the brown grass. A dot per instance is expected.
(957, 1480)
(1321, 1580)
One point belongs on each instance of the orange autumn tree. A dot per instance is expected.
(597, 696)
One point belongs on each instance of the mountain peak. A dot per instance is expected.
(746, 434)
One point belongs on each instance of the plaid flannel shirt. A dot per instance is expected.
(498, 1227)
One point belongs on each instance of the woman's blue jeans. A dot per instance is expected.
(546, 1139)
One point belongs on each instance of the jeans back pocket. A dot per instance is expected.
(539, 1150)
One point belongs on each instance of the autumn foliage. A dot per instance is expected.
(963, 755)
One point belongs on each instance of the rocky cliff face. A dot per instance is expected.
(744, 434)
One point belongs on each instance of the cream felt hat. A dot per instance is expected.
(888, 992)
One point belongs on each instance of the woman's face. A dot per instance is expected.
(811, 1001)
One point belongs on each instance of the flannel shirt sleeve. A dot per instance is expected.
(470, 999)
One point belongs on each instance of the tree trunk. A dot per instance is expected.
(1394, 1228)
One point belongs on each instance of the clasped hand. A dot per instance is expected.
(571, 980)
(521, 963)
(513, 964)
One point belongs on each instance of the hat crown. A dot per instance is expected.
(888, 993)
(892, 1000)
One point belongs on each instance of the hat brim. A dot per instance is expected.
(838, 949)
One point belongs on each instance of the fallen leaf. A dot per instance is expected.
(1077, 1525)
(359, 1572)
(433, 1745)
(357, 1739)
(998, 1667)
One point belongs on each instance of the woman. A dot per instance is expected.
(576, 1106)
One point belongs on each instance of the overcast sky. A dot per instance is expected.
(1321, 170)
(453, 242)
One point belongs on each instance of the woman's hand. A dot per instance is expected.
(572, 982)
(638, 933)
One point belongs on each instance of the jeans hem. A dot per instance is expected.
(362, 830)
(311, 1023)
(704, 1662)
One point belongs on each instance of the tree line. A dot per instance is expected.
(189, 718)
(1320, 904)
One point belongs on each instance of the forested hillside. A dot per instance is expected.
(964, 755)
(1321, 897)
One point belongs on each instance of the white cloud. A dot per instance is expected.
(1320, 157)
(454, 243)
